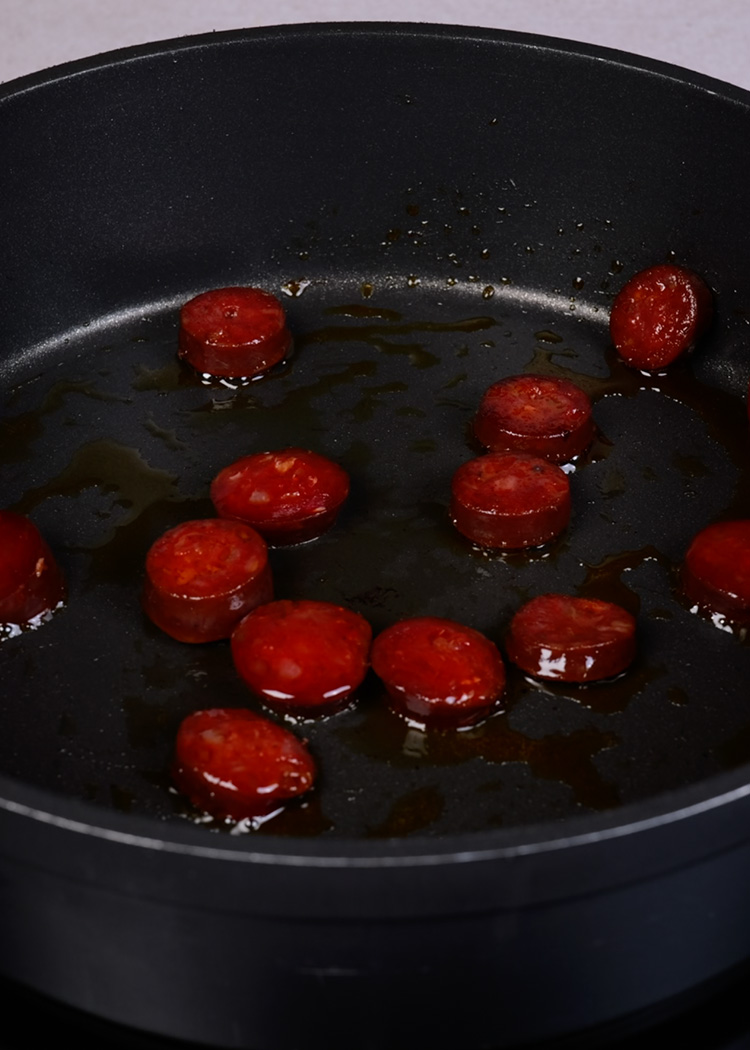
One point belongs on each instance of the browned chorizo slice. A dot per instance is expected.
(235, 764)
(659, 314)
(302, 657)
(233, 332)
(571, 639)
(31, 583)
(203, 576)
(289, 496)
(543, 415)
(438, 672)
(510, 500)
(716, 571)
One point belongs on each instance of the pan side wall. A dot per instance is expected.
(499, 978)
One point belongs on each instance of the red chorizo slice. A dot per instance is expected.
(235, 764)
(716, 571)
(302, 657)
(510, 500)
(438, 672)
(543, 415)
(233, 332)
(557, 636)
(31, 582)
(659, 314)
(203, 576)
(289, 496)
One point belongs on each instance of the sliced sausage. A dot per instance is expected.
(302, 657)
(438, 672)
(289, 496)
(235, 764)
(203, 576)
(658, 315)
(542, 415)
(31, 582)
(557, 636)
(233, 332)
(510, 500)
(716, 570)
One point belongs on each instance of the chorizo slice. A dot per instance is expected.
(438, 672)
(302, 657)
(543, 415)
(510, 500)
(289, 496)
(203, 576)
(31, 582)
(557, 636)
(716, 571)
(235, 764)
(659, 314)
(233, 332)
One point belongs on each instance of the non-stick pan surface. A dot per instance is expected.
(437, 209)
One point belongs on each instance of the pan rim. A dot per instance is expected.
(364, 29)
(691, 803)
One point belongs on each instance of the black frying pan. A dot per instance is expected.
(438, 208)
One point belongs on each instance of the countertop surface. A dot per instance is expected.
(710, 38)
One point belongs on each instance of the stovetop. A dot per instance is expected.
(716, 1017)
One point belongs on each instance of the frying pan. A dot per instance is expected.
(437, 208)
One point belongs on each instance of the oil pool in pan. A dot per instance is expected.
(386, 383)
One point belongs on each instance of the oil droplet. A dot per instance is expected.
(690, 466)
(423, 445)
(295, 288)
(169, 377)
(366, 289)
(488, 291)
(604, 579)
(608, 696)
(566, 758)
(18, 433)
(360, 310)
(578, 283)
(169, 437)
(612, 484)
(379, 336)
(546, 336)
(115, 468)
(412, 812)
